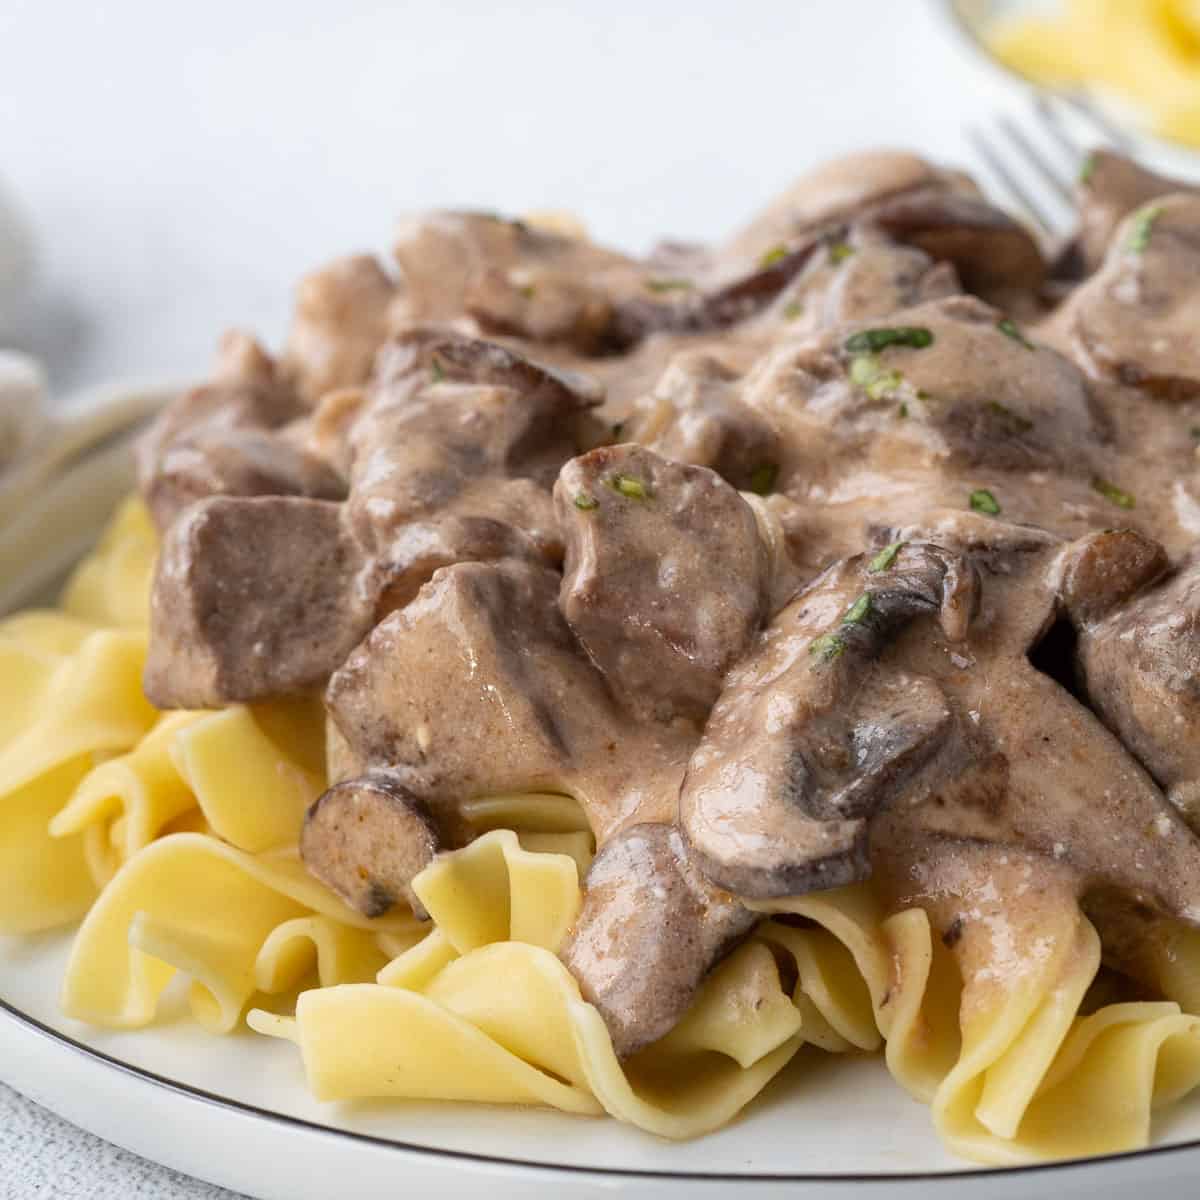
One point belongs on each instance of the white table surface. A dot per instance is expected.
(181, 165)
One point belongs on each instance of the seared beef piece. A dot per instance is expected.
(862, 276)
(476, 688)
(236, 462)
(1135, 320)
(695, 415)
(341, 320)
(665, 579)
(957, 380)
(650, 929)
(367, 839)
(451, 423)
(512, 278)
(1138, 654)
(452, 455)
(1112, 186)
(229, 438)
(252, 598)
(811, 737)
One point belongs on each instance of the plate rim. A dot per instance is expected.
(242, 1108)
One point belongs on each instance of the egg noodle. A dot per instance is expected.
(1145, 53)
(173, 837)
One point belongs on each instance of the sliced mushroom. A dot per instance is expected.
(665, 578)
(809, 739)
(252, 598)
(991, 252)
(650, 929)
(367, 839)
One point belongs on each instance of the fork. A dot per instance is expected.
(1038, 162)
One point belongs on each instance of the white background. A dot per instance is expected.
(181, 164)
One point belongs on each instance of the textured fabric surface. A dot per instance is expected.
(42, 1156)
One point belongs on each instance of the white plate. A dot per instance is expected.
(235, 1111)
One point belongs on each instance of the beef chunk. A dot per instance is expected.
(452, 455)
(252, 598)
(477, 687)
(665, 578)
(341, 320)
(650, 929)
(1112, 186)
(952, 377)
(695, 415)
(1138, 654)
(1135, 320)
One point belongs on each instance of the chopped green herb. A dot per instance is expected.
(628, 485)
(793, 310)
(1088, 169)
(618, 429)
(1009, 329)
(827, 647)
(871, 341)
(1142, 228)
(839, 252)
(902, 411)
(857, 612)
(884, 559)
(435, 370)
(527, 291)
(585, 503)
(1114, 494)
(774, 255)
(669, 285)
(870, 374)
(1015, 422)
(983, 501)
(762, 480)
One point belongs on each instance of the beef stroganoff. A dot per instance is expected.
(570, 679)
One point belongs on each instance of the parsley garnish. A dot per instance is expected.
(1112, 493)
(884, 559)
(774, 255)
(629, 486)
(871, 341)
(1142, 228)
(839, 252)
(669, 285)
(585, 503)
(1009, 329)
(984, 502)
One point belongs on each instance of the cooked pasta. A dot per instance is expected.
(624, 838)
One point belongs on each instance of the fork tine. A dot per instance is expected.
(1050, 120)
(1019, 192)
(1034, 157)
(1086, 107)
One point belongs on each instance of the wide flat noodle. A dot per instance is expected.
(485, 970)
(191, 903)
